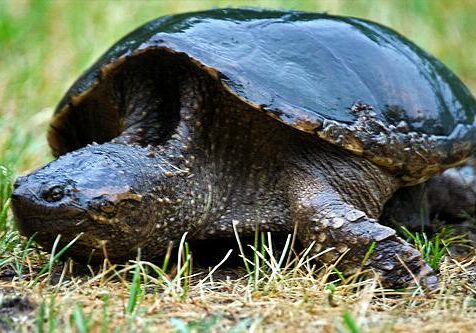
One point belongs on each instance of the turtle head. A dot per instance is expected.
(115, 195)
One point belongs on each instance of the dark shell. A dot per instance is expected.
(349, 81)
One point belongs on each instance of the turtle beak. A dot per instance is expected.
(18, 182)
(21, 197)
(37, 206)
(25, 207)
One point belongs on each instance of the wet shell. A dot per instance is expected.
(351, 82)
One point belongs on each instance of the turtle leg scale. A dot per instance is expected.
(327, 222)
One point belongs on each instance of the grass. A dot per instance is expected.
(139, 296)
(45, 45)
(436, 247)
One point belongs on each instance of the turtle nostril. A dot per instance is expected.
(55, 193)
(18, 182)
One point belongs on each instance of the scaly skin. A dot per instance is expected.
(220, 163)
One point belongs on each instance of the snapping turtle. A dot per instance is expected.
(277, 120)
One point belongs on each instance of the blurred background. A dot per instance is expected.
(45, 45)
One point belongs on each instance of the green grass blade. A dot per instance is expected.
(350, 323)
(40, 318)
(80, 320)
(53, 259)
(134, 290)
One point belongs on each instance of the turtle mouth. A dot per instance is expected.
(46, 220)
(66, 225)
(83, 243)
(54, 235)
(42, 231)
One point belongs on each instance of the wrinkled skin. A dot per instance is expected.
(222, 164)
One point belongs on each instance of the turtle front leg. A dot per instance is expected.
(324, 218)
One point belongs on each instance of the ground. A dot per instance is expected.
(45, 45)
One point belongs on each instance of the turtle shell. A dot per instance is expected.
(351, 82)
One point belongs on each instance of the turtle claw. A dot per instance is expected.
(402, 266)
(430, 283)
(428, 280)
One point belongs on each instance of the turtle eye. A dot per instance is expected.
(53, 194)
(107, 207)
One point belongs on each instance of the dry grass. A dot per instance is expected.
(44, 46)
(294, 296)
